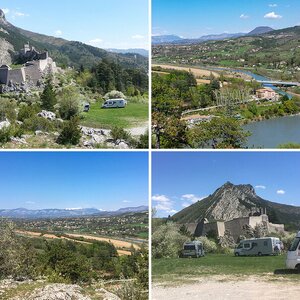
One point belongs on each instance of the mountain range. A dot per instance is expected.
(23, 213)
(64, 52)
(234, 201)
(175, 39)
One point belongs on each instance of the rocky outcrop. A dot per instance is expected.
(49, 115)
(4, 124)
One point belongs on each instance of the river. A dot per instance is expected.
(273, 132)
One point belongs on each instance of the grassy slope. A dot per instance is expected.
(218, 264)
(131, 116)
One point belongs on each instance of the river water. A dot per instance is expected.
(273, 132)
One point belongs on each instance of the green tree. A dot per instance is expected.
(48, 97)
(71, 133)
(218, 133)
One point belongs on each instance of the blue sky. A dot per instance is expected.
(182, 178)
(101, 23)
(104, 180)
(195, 18)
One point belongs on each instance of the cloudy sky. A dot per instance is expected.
(195, 18)
(104, 180)
(102, 23)
(182, 178)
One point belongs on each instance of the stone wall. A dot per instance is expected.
(4, 74)
(17, 75)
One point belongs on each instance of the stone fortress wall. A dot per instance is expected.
(38, 65)
(235, 226)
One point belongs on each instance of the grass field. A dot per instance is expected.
(164, 270)
(134, 115)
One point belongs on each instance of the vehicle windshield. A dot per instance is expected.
(189, 247)
(295, 244)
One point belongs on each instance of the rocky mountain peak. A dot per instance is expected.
(2, 14)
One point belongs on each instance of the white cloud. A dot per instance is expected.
(163, 203)
(5, 10)
(73, 208)
(126, 201)
(185, 204)
(273, 5)
(58, 32)
(280, 192)
(191, 198)
(18, 14)
(138, 37)
(243, 16)
(95, 42)
(272, 15)
(260, 187)
(30, 202)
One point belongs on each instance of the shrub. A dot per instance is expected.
(114, 95)
(69, 103)
(8, 110)
(209, 245)
(38, 123)
(167, 241)
(118, 133)
(27, 112)
(5, 135)
(70, 133)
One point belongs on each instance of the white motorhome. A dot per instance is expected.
(293, 255)
(192, 249)
(114, 103)
(258, 246)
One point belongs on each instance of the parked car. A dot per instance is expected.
(86, 107)
(293, 255)
(258, 246)
(115, 103)
(192, 249)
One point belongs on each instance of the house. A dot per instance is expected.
(266, 93)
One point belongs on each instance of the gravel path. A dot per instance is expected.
(210, 289)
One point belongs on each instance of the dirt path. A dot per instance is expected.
(212, 289)
(136, 131)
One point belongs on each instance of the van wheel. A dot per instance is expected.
(259, 254)
(237, 254)
(298, 268)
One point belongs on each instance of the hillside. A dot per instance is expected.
(275, 50)
(232, 201)
(65, 53)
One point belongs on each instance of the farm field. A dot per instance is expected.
(134, 115)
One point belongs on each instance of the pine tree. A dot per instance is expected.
(48, 97)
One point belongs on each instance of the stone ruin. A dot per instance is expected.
(37, 65)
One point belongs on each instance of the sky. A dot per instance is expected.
(101, 23)
(179, 179)
(195, 18)
(103, 180)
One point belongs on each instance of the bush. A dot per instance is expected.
(5, 135)
(167, 242)
(8, 110)
(38, 123)
(27, 112)
(209, 246)
(114, 95)
(71, 133)
(69, 103)
(118, 133)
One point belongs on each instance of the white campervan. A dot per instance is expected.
(114, 103)
(293, 255)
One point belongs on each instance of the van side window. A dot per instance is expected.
(254, 244)
(247, 246)
(265, 243)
